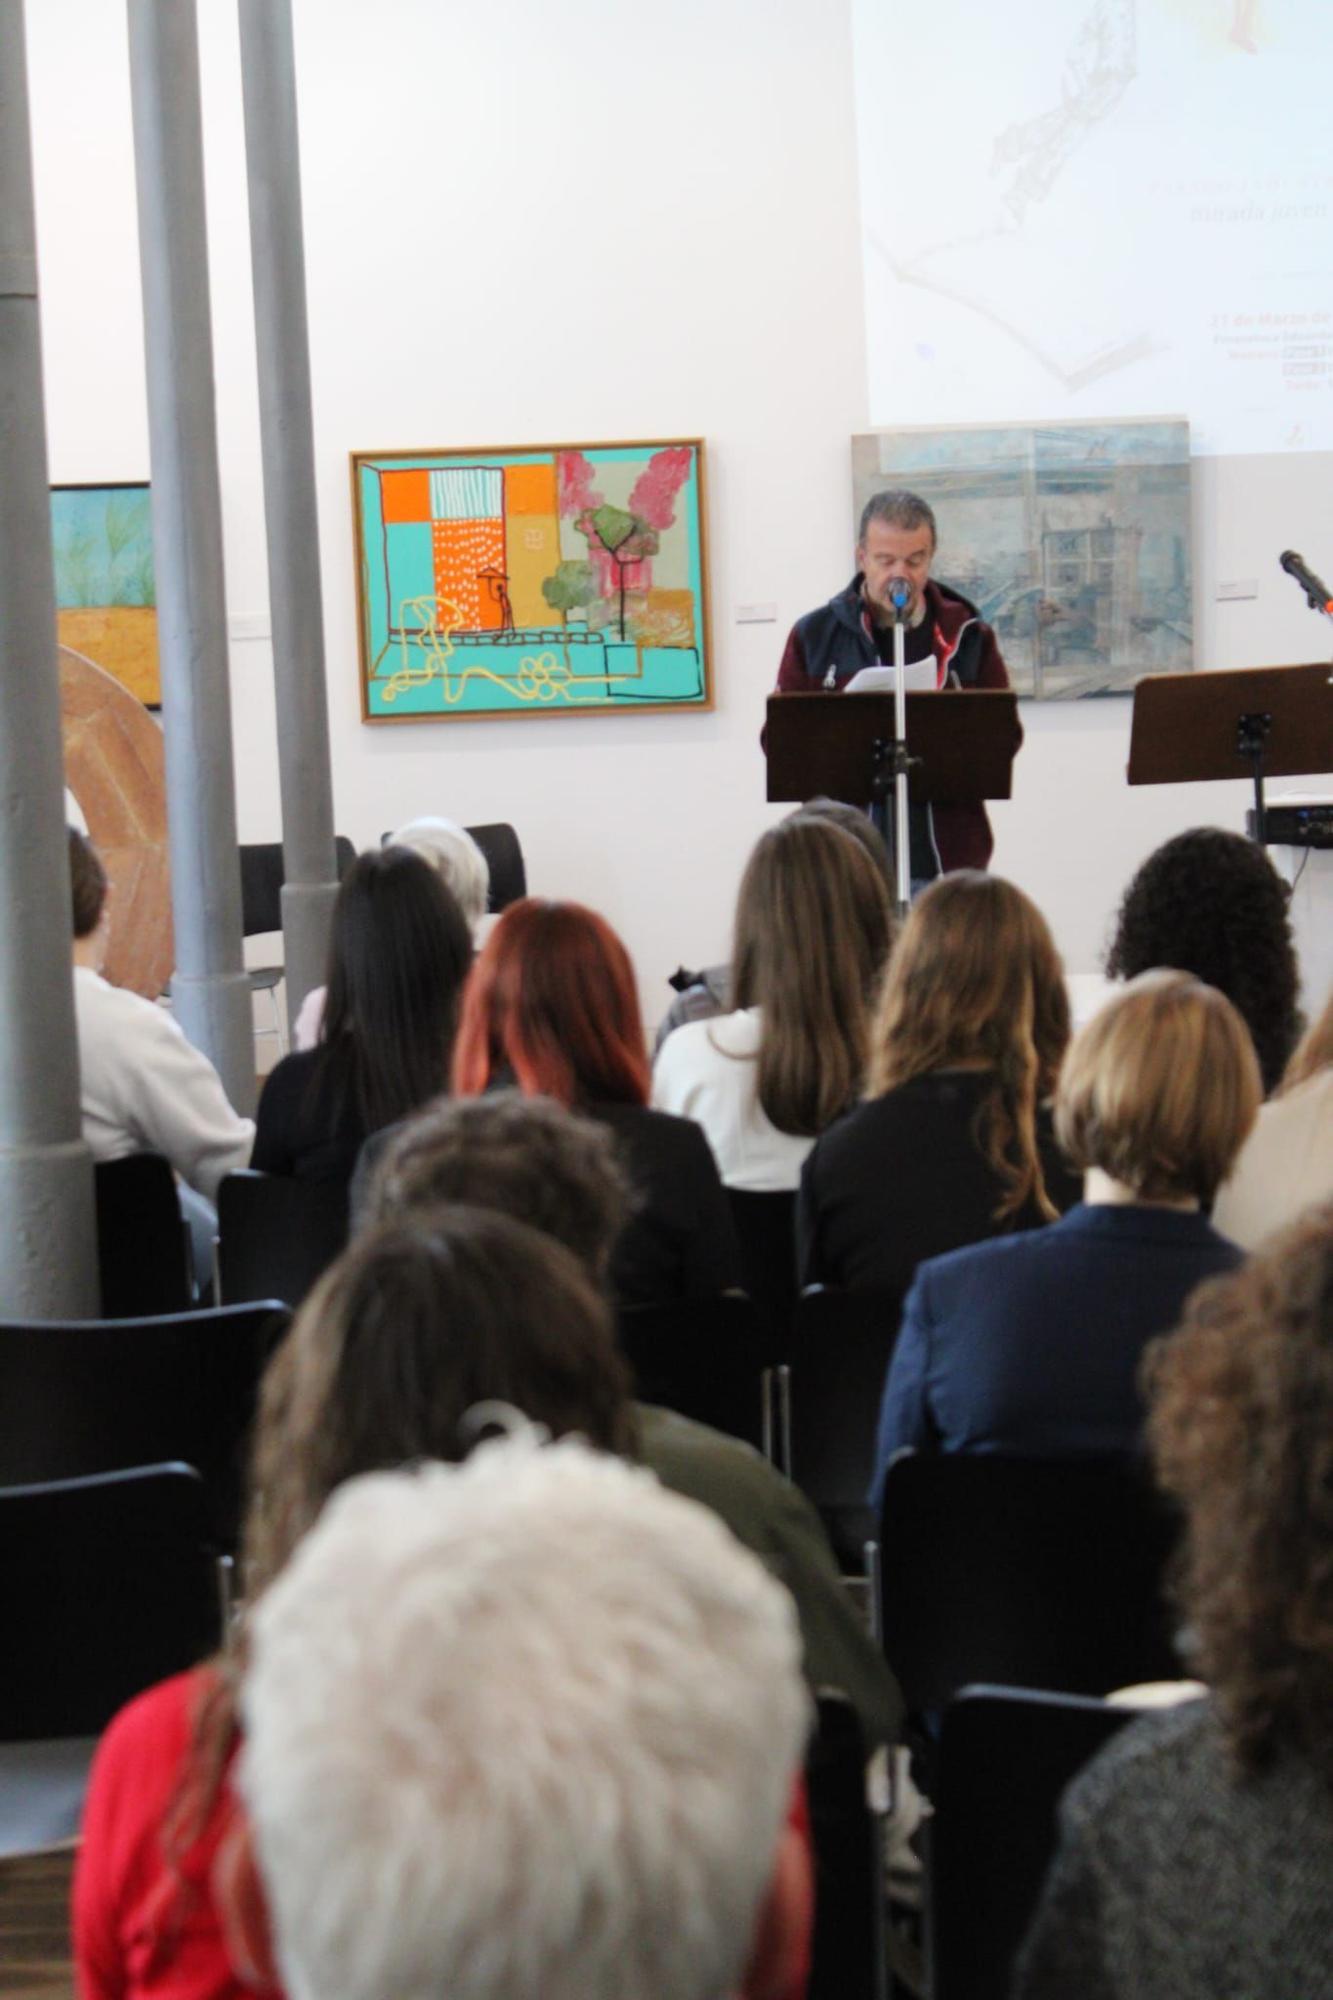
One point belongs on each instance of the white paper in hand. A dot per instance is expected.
(921, 677)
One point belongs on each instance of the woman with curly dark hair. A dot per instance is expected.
(1196, 1853)
(1212, 903)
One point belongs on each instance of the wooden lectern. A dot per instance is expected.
(1255, 722)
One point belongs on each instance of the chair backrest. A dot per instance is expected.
(504, 860)
(263, 873)
(703, 1357)
(275, 1235)
(766, 1231)
(1005, 1757)
(344, 854)
(1042, 1573)
(89, 1396)
(142, 1257)
(109, 1584)
(840, 1348)
(849, 1888)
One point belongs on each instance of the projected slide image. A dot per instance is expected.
(1072, 540)
(1106, 207)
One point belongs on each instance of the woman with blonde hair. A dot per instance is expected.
(1286, 1164)
(1031, 1344)
(813, 929)
(953, 1141)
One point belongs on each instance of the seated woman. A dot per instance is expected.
(813, 929)
(1196, 1852)
(953, 1141)
(399, 951)
(1031, 1343)
(552, 1007)
(1211, 903)
(1286, 1164)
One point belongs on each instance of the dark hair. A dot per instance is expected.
(1241, 1431)
(525, 1156)
(553, 1001)
(1212, 903)
(898, 508)
(399, 952)
(861, 827)
(814, 927)
(87, 881)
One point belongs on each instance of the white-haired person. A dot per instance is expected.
(527, 1728)
(460, 865)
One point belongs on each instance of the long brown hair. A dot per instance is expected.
(813, 929)
(1314, 1053)
(976, 982)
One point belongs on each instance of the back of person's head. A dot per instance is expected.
(1241, 1433)
(813, 928)
(552, 1002)
(526, 1156)
(416, 1324)
(524, 1729)
(976, 982)
(455, 857)
(862, 829)
(87, 881)
(399, 952)
(1212, 903)
(1160, 1089)
(1315, 1052)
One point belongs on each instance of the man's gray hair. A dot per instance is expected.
(519, 1729)
(899, 509)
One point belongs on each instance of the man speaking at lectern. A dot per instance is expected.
(854, 631)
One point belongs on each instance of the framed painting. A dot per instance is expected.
(106, 592)
(537, 580)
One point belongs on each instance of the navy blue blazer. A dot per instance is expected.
(1031, 1343)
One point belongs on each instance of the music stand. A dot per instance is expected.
(1267, 722)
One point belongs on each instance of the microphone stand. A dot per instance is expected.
(892, 763)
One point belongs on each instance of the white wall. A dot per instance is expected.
(582, 223)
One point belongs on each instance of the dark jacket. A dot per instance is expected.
(830, 644)
(304, 1127)
(1031, 1344)
(680, 1241)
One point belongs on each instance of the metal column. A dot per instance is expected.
(277, 256)
(48, 1241)
(210, 988)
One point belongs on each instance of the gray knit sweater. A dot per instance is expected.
(1177, 1880)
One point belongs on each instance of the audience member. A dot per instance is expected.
(460, 865)
(552, 1007)
(525, 1729)
(1286, 1164)
(953, 1142)
(813, 929)
(529, 1158)
(702, 996)
(1212, 903)
(399, 951)
(1196, 1852)
(1032, 1343)
(396, 1344)
(142, 1086)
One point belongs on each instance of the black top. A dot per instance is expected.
(902, 1178)
(680, 1243)
(296, 1131)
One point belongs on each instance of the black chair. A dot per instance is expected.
(263, 873)
(1005, 1757)
(829, 1400)
(848, 1957)
(91, 1396)
(143, 1256)
(766, 1231)
(276, 1236)
(1038, 1573)
(706, 1358)
(504, 859)
(109, 1584)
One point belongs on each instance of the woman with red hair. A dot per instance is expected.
(551, 1008)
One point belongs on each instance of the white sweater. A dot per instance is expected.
(144, 1088)
(707, 1070)
(1285, 1165)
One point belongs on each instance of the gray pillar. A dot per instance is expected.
(48, 1242)
(277, 256)
(210, 988)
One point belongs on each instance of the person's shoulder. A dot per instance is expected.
(292, 1070)
(156, 1726)
(98, 997)
(844, 606)
(643, 1125)
(1156, 1755)
(722, 1472)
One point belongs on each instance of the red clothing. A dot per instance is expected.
(144, 1930)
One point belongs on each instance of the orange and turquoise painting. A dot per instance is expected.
(535, 581)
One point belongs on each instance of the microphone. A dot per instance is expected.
(900, 595)
(1318, 595)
